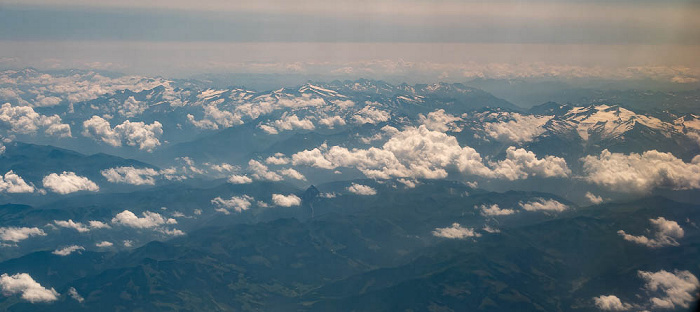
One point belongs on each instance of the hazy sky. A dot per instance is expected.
(497, 38)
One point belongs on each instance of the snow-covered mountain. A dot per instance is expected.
(98, 112)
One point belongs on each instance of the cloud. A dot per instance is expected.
(132, 107)
(261, 105)
(440, 121)
(67, 250)
(488, 229)
(516, 128)
(670, 290)
(332, 122)
(546, 205)
(360, 189)
(131, 175)
(667, 232)
(413, 152)
(171, 232)
(261, 172)
(370, 115)
(593, 198)
(328, 195)
(98, 225)
(314, 158)
(494, 210)
(293, 174)
(131, 133)
(214, 118)
(73, 293)
(28, 289)
(640, 173)
(187, 169)
(343, 104)
(239, 179)
(286, 201)
(223, 167)
(141, 134)
(51, 89)
(288, 123)
(12, 183)
(24, 120)
(408, 183)
(68, 182)
(456, 231)
(610, 303)
(520, 163)
(80, 227)
(16, 234)
(104, 244)
(72, 225)
(202, 124)
(417, 152)
(236, 203)
(277, 159)
(129, 219)
(99, 128)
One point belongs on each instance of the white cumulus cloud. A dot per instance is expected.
(610, 303)
(413, 152)
(277, 159)
(360, 189)
(12, 183)
(546, 205)
(80, 227)
(16, 234)
(72, 225)
(139, 134)
(670, 290)
(370, 115)
(131, 175)
(286, 200)
(417, 152)
(73, 293)
(292, 173)
(456, 231)
(288, 123)
(520, 163)
(239, 179)
(68, 182)
(104, 244)
(518, 128)
(67, 250)
(494, 210)
(236, 203)
(148, 219)
(440, 121)
(28, 289)
(666, 233)
(641, 172)
(332, 122)
(261, 172)
(594, 199)
(24, 120)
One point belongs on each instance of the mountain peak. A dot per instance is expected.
(310, 193)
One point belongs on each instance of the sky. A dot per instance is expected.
(440, 39)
